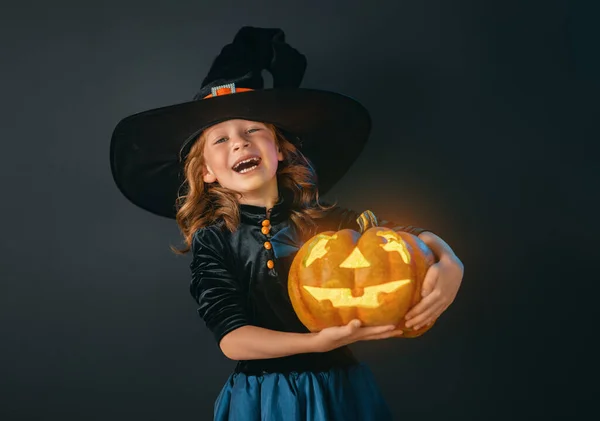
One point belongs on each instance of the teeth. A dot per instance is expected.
(248, 169)
(245, 161)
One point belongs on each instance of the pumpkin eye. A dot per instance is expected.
(395, 244)
(317, 249)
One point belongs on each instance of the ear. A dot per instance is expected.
(208, 176)
(279, 154)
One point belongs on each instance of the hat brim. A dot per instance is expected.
(331, 131)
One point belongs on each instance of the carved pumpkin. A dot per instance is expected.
(374, 276)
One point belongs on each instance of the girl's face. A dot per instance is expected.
(243, 156)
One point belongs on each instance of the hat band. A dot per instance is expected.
(228, 89)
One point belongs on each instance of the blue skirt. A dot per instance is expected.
(344, 394)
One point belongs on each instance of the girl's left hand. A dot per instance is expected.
(440, 287)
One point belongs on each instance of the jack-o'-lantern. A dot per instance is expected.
(374, 275)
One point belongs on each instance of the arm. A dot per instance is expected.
(255, 343)
(222, 306)
(221, 302)
(438, 246)
(441, 283)
(440, 286)
(252, 343)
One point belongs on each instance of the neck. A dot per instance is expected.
(265, 199)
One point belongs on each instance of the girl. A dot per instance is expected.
(236, 169)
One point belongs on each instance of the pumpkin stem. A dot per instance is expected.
(366, 220)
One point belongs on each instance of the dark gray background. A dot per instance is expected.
(483, 133)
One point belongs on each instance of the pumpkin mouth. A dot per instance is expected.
(348, 297)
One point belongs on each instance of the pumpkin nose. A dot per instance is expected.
(355, 260)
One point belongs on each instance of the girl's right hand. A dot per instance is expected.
(334, 337)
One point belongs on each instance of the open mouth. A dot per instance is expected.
(246, 165)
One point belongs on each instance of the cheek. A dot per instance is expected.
(217, 161)
(274, 162)
(272, 153)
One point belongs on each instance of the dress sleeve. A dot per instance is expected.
(340, 218)
(218, 294)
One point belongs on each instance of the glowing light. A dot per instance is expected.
(342, 297)
(355, 260)
(317, 250)
(395, 244)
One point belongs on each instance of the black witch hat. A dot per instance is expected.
(148, 149)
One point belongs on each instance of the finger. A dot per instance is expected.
(343, 332)
(366, 332)
(430, 280)
(427, 316)
(353, 330)
(423, 305)
(433, 319)
(437, 315)
(384, 335)
(375, 330)
(355, 323)
(353, 326)
(392, 334)
(429, 322)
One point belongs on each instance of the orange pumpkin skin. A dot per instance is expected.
(331, 283)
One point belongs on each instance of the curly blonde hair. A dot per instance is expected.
(204, 204)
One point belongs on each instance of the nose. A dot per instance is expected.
(238, 142)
